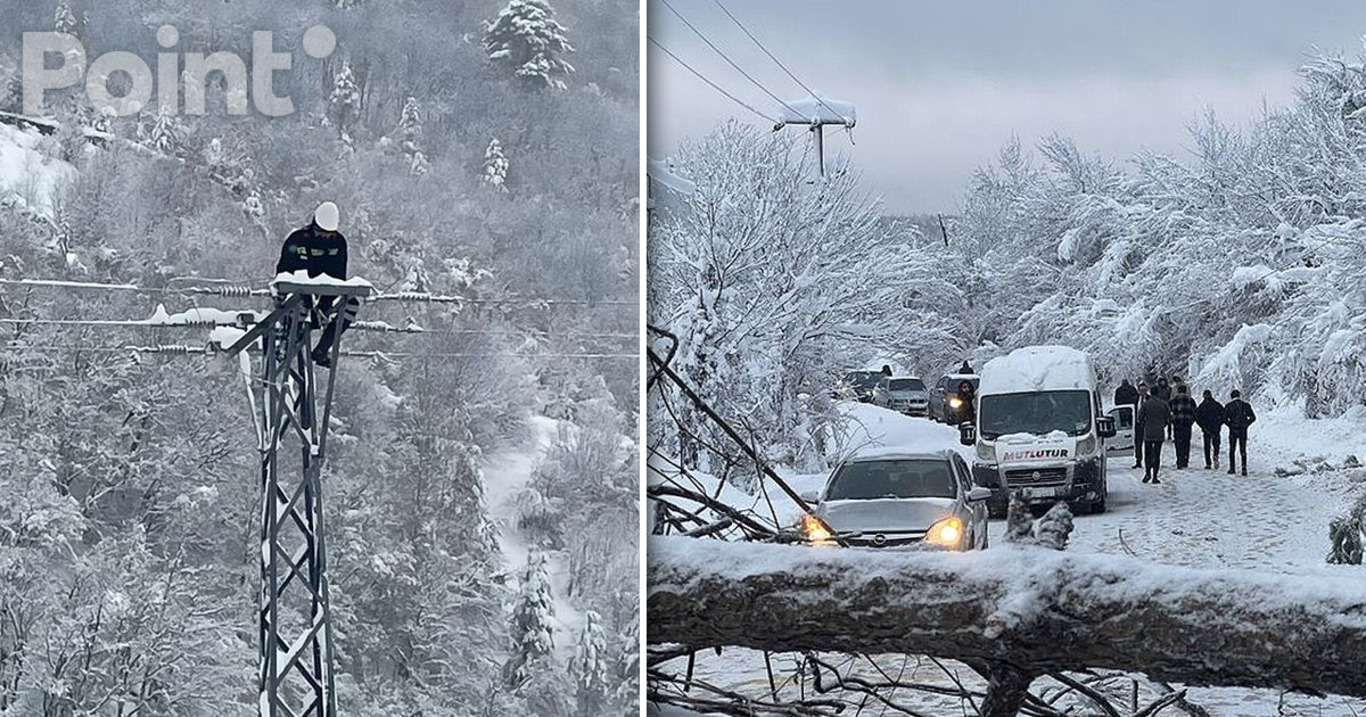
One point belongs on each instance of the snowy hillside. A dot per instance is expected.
(482, 403)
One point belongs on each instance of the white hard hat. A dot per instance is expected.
(327, 217)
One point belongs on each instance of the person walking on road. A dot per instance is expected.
(1238, 416)
(1138, 424)
(1210, 415)
(1126, 394)
(1153, 414)
(1163, 389)
(1183, 417)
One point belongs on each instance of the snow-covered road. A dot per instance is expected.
(506, 473)
(1195, 517)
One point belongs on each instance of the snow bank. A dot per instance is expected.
(28, 178)
(1038, 368)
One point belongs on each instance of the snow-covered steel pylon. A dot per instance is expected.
(295, 667)
(817, 112)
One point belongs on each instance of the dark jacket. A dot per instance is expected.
(1126, 395)
(1163, 391)
(1153, 416)
(314, 250)
(1238, 416)
(1183, 409)
(1210, 415)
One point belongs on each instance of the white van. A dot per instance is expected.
(1040, 429)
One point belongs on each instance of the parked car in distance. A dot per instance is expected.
(906, 394)
(951, 399)
(896, 497)
(859, 385)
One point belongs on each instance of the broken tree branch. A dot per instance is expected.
(1036, 611)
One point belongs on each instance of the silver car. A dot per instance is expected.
(906, 394)
(890, 497)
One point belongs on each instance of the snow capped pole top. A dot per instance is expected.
(818, 110)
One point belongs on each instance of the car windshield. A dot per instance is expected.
(863, 379)
(1036, 412)
(900, 478)
(906, 384)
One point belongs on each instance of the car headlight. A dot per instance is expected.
(815, 531)
(947, 532)
(956, 402)
(986, 452)
(1086, 446)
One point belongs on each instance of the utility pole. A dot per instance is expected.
(295, 670)
(817, 112)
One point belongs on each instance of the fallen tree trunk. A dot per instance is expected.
(1037, 610)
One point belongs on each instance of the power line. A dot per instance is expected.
(777, 61)
(713, 85)
(181, 349)
(246, 291)
(726, 57)
(379, 327)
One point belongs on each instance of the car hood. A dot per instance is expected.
(885, 514)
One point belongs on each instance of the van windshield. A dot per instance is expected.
(1036, 412)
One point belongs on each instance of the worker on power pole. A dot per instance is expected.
(320, 249)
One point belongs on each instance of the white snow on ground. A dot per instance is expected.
(1194, 518)
(505, 474)
(29, 178)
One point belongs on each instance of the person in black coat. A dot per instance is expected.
(1238, 416)
(1209, 415)
(319, 249)
(1138, 425)
(1126, 394)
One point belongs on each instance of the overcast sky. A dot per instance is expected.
(940, 86)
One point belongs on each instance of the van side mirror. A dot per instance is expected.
(967, 433)
(1105, 426)
(811, 497)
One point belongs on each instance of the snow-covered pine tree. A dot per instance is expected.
(165, 134)
(410, 136)
(590, 669)
(65, 20)
(533, 637)
(343, 104)
(526, 39)
(495, 166)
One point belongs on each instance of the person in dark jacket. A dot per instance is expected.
(966, 368)
(319, 249)
(1154, 415)
(1163, 389)
(1138, 424)
(1183, 417)
(1210, 416)
(1238, 416)
(1126, 394)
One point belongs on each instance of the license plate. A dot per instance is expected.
(1050, 492)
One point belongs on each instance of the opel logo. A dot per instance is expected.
(879, 540)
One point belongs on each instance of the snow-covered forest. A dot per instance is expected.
(482, 479)
(1236, 265)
